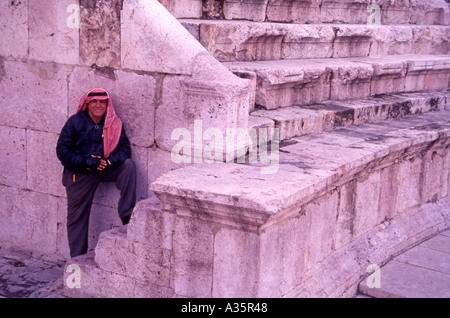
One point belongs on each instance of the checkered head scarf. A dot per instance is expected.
(113, 125)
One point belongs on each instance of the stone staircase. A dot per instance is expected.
(310, 56)
(363, 117)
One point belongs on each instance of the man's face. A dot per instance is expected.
(97, 108)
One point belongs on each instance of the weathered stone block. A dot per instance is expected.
(212, 9)
(410, 176)
(294, 121)
(287, 82)
(364, 110)
(388, 76)
(249, 41)
(383, 39)
(432, 103)
(252, 201)
(42, 95)
(116, 254)
(281, 269)
(44, 170)
(13, 158)
(236, 254)
(388, 192)
(348, 11)
(25, 224)
(95, 282)
(352, 41)
(140, 157)
(62, 244)
(303, 41)
(193, 256)
(310, 92)
(51, 37)
(251, 76)
(193, 26)
(334, 115)
(100, 32)
(14, 28)
(429, 12)
(397, 12)
(150, 225)
(161, 161)
(184, 8)
(367, 204)
(244, 41)
(432, 39)
(303, 11)
(345, 226)
(153, 40)
(143, 289)
(254, 10)
(349, 80)
(218, 100)
(427, 74)
(262, 126)
(338, 269)
(322, 233)
(446, 102)
(435, 173)
(322, 158)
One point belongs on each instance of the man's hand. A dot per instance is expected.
(103, 164)
(99, 164)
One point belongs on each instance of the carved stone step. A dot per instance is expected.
(231, 41)
(316, 118)
(332, 152)
(315, 11)
(345, 199)
(285, 83)
(118, 268)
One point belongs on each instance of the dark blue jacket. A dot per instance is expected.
(81, 137)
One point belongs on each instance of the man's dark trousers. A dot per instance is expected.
(81, 189)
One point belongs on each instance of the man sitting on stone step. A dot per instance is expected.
(93, 147)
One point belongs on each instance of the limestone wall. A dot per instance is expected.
(51, 52)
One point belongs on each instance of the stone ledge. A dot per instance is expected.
(97, 282)
(316, 11)
(296, 121)
(284, 83)
(152, 40)
(230, 41)
(115, 253)
(310, 165)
